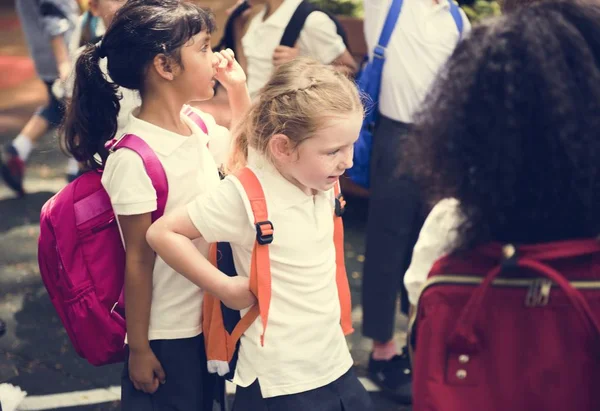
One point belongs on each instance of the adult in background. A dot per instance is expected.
(423, 39)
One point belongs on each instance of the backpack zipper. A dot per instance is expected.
(538, 294)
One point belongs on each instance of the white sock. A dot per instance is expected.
(11, 396)
(72, 166)
(23, 145)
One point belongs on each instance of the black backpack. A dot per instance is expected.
(291, 32)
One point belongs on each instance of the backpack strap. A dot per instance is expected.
(260, 267)
(157, 175)
(228, 40)
(292, 30)
(458, 20)
(386, 32)
(260, 271)
(188, 111)
(464, 337)
(341, 278)
(153, 166)
(548, 252)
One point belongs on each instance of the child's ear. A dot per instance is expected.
(164, 66)
(281, 148)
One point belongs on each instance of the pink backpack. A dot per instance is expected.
(82, 259)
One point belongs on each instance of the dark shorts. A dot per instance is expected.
(344, 394)
(54, 111)
(188, 386)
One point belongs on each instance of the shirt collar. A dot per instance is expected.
(160, 140)
(282, 193)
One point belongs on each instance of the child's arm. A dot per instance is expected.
(231, 75)
(437, 237)
(346, 63)
(145, 371)
(56, 23)
(171, 237)
(61, 54)
(325, 44)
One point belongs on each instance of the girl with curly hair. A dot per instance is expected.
(507, 141)
(507, 145)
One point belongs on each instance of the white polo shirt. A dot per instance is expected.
(190, 169)
(304, 345)
(318, 39)
(423, 39)
(437, 237)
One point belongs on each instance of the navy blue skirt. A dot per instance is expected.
(344, 394)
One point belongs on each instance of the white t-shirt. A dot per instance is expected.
(304, 346)
(176, 310)
(423, 39)
(437, 237)
(318, 39)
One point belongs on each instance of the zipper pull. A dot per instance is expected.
(545, 287)
(539, 293)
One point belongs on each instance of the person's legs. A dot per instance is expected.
(15, 154)
(395, 211)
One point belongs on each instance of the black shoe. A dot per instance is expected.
(394, 376)
(2, 328)
(12, 169)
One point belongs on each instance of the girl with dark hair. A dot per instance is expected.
(507, 139)
(507, 145)
(160, 48)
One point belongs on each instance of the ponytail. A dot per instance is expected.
(91, 118)
(238, 155)
(140, 30)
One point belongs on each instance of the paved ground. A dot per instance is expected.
(36, 354)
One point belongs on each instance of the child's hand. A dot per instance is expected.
(145, 371)
(284, 54)
(64, 71)
(238, 295)
(229, 73)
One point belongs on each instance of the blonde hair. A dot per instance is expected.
(296, 102)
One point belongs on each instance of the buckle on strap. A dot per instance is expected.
(264, 232)
(379, 52)
(340, 205)
(110, 145)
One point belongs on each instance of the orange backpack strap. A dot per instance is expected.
(340, 276)
(260, 266)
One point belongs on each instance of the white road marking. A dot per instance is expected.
(102, 395)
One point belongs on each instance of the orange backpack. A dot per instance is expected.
(223, 327)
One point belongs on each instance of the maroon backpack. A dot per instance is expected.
(510, 328)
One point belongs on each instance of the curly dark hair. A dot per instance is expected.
(511, 127)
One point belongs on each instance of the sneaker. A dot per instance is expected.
(393, 376)
(12, 169)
